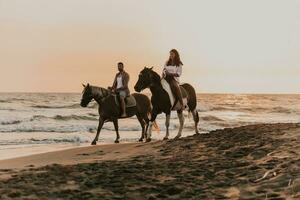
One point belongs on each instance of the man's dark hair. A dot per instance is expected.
(120, 63)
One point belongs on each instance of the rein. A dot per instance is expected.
(100, 94)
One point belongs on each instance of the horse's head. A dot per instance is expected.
(145, 79)
(87, 95)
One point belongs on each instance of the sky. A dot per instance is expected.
(232, 46)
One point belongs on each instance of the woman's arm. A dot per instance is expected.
(177, 72)
(164, 72)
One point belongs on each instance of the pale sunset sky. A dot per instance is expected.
(239, 46)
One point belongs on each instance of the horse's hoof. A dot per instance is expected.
(165, 138)
(177, 137)
(94, 143)
(141, 140)
(117, 141)
(148, 140)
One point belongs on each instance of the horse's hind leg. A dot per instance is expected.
(181, 123)
(101, 122)
(196, 120)
(142, 122)
(116, 125)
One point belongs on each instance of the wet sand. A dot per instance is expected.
(249, 162)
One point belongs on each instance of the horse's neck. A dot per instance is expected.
(156, 89)
(99, 93)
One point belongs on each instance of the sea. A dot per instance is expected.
(33, 123)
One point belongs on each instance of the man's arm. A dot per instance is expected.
(126, 81)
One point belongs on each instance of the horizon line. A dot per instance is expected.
(216, 93)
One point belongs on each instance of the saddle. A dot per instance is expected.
(129, 101)
(167, 88)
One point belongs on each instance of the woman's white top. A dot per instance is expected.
(119, 82)
(173, 70)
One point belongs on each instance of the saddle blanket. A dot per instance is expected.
(167, 88)
(129, 101)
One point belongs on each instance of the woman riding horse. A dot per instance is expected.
(161, 101)
(171, 72)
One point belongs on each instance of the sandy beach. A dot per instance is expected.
(249, 162)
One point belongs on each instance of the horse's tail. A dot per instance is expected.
(155, 125)
(192, 97)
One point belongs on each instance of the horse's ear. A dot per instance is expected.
(83, 85)
(151, 68)
(88, 85)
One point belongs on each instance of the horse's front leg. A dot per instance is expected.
(167, 123)
(116, 125)
(149, 132)
(143, 124)
(181, 122)
(101, 122)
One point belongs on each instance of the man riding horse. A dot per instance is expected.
(120, 86)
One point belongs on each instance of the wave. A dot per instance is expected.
(56, 107)
(8, 109)
(234, 108)
(11, 122)
(93, 114)
(38, 117)
(10, 100)
(73, 139)
(280, 109)
(63, 139)
(218, 108)
(72, 106)
(16, 99)
(73, 117)
(63, 118)
(211, 118)
(38, 129)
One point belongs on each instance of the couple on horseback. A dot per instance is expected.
(171, 73)
(146, 111)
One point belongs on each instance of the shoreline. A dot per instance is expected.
(76, 155)
(19, 151)
(248, 162)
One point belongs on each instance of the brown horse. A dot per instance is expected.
(161, 101)
(109, 109)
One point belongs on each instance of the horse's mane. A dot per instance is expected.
(156, 77)
(96, 88)
(98, 91)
